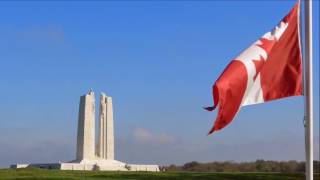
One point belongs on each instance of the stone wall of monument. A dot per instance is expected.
(86, 127)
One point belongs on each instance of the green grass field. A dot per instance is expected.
(37, 174)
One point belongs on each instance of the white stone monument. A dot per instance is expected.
(106, 136)
(87, 157)
(86, 128)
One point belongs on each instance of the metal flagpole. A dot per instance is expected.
(308, 89)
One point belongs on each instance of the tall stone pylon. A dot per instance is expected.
(86, 128)
(106, 134)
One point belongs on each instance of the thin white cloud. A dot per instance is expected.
(49, 33)
(144, 136)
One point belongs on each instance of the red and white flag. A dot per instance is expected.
(271, 68)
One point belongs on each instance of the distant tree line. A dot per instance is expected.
(256, 166)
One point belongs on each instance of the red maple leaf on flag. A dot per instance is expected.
(266, 45)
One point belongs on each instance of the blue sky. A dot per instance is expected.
(158, 60)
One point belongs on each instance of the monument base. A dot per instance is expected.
(90, 165)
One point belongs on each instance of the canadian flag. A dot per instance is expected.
(269, 69)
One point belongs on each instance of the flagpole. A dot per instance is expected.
(308, 89)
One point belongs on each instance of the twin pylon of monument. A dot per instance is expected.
(86, 144)
(88, 156)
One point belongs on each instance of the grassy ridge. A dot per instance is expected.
(42, 174)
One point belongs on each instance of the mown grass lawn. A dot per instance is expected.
(37, 174)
